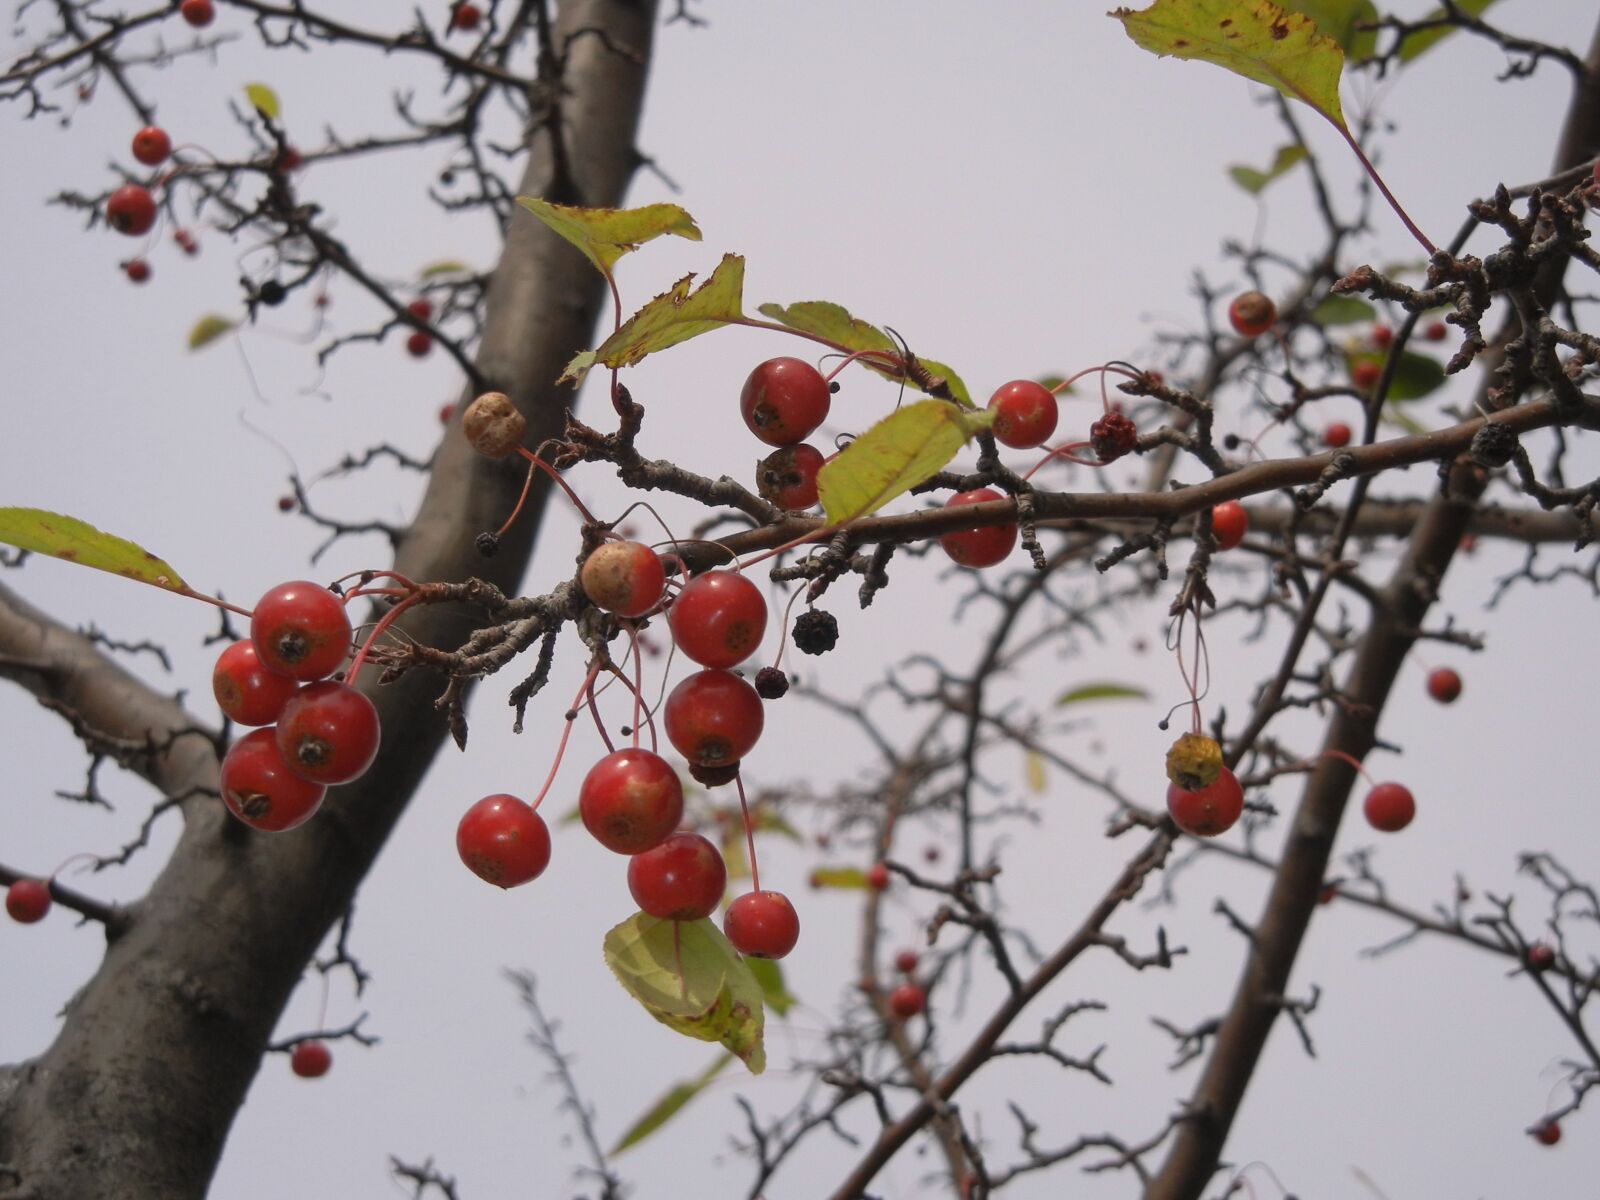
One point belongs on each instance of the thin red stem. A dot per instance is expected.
(749, 832)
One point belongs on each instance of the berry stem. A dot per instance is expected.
(566, 732)
(384, 622)
(555, 475)
(749, 832)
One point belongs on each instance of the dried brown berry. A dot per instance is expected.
(493, 425)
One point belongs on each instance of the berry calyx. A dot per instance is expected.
(878, 877)
(1112, 436)
(28, 900)
(1389, 807)
(503, 841)
(328, 732)
(788, 476)
(1208, 811)
(466, 17)
(259, 788)
(151, 145)
(1365, 373)
(1444, 685)
(1025, 414)
(784, 400)
(1229, 523)
(631, 800)
(718, 619)
(137, 270)
(245, 690)
(907, 1000)
(198, 13)
(300, 630)
(682, 879)
(311, 1059)
(625, 578)
(1336, 435)
(419, 344)
(762, 924)
(1547, 1134)
(131, 210)
(1252, 314)
(981, 547)
(713, 718)
(905, 962)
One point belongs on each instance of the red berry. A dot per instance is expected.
(713, 718)
(762, 924)
(1541, 956)
(310, 1060)
(137, 270)
(285, 503)
(421, 308)
(1336, 435)
(1252, 313)
(28, 900)
(1444, 685)
(286, 160)
(682, 879)
(465, 18)
(784, 400)
(1229, 521)
(186, 242)
(151, 145)
(503, 841)
(328, 733)
(1389, 807)
(446, 411)
(300, 630)
(1025, 414)
(1547, 1134)
(259, 788)
(877, 877)
(1209, 811)
(245, 690)
(631, 800)
(1365, 372)
(131, 210)
(418, 344)
(198, 13)
(982, 547)
(718, 619)
(625, 578)
(1382, 336)
(788, 476)
(1435, 331)
(907, 1000)
(905, 962)
(1112, 436)
(1328, 894)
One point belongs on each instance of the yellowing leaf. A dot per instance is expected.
(264, 99)
(1101, 691)
(835, 323)
(73, 540)
(1426, 39)
(692, 980)
(1034, 764)
(606, 234)
(773, 989)
(1341, 20)
(1253, 38)
(208, 329)
(899, 452)
(839, 877)
(448, 266)
(1254, 181)
(664, 1109)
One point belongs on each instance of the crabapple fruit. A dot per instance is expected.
(1229, 523)
(1252, 314)
(259, 788)
(625, 578)
(784, 400)
(713, 718)
(1389, 807)
(762, 924)
(131, 210)
(245, 690)
(300, 630)
(503, 841)
(718, 619)
(28, 900)
(1444, 685)
(907, 1000)
(682, 879)
(981, 547)
(631, 800)
(151, 145)
(1025, 414)
(310, 1059)
(1208, 811)
(788, 476)
(328, 733)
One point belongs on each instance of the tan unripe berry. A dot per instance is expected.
(493, 425)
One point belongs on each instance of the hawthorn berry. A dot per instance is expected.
(286, 503)
(1208, 811)
(465, 18)
(419, 344)
(259, 788)
(905, 962)
(1541, 956)
(328, 733)
(1435, 331)
(713, 718)
(625, 578)
(503, 841)
(788, 476)
(631, 800)
(907, 1000)
(1229, 522)
(1389, 807)
(137, 270)
(1382, 336)
(245, 690)
(421, 308)
(28, 900)
(1252, 314)
(718, 619)
(1025, 414)
(1336, 435)
(310, 1059)
(1548, 1133)
(151, 145)
(186, 242)
(878, 877)
(784, 400)
(1365, 373)
(682, 879)
(1112, 436)
(981, 547)
(131, 210)
(1444, 685)
(300, 630)
(198, 13)
(762, 924)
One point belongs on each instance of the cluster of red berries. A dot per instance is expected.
(420, 342)
(783, 402)
(909, 998)
(314, 731)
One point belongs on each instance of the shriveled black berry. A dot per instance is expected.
(771, 683)
(487, 544)
(815, 631)
(714, 776)
(1112, 436)
(271, 293)
(1493, 445)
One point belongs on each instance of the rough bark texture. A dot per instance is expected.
(156, 1052)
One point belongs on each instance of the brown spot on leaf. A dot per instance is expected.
(1180, 43)
(1279, 30)
(1225, 22)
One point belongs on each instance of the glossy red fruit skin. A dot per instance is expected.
(245, 690)
(137, 270)
(1444, 685)
(1547, 1134)
(1229, 523)
(1389, 807)
(718, 619)
(784, 400)
(982, 547)
(419, 344)
(877, 877)
(631, 801)
(131, 210)
(680, 880)
(1336, 436)
(465, 18)
(1365, 373)
(151, 145)
(625, 578)
(788, 476)
(300, 630)
(1210, 811)
(1025, 414)
(310, 1060)
(762, 924)
(198, 13)
(328, 733)
(905, 962)
(1252, 314)
(28, 900)
(907, 1000)
(713, 718)
(503, 841)
(259, 788)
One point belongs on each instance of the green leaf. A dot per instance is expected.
(1253, 38)
(208, 329)
(1101, 691)
(1057, 384)
(1339, 20)
(835, 323)
(692, 980)
(1254, 181)
(71, 539)
(899, 452)
(1342, 310)
(264, 99)
(672, 317)
(448, 266)
(606, 234)
(1415, 376)
(839, 877)
(664, 1109)
(773, 989)
(1423, 41)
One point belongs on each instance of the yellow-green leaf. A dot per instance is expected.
(664, 1109)
(1342, 20)
(1101, 691)
(1426, 39)
(1253, 38)
(208, 329)
(71, 539)
(1034, 763)
(448, 266)
(688, 977)
(835, 323)
(264, 99)
(899, 452)
(770, 976)
(1254, 181)
(839, 877)
(1342, 310)
(1415, 375)
(606, 234)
